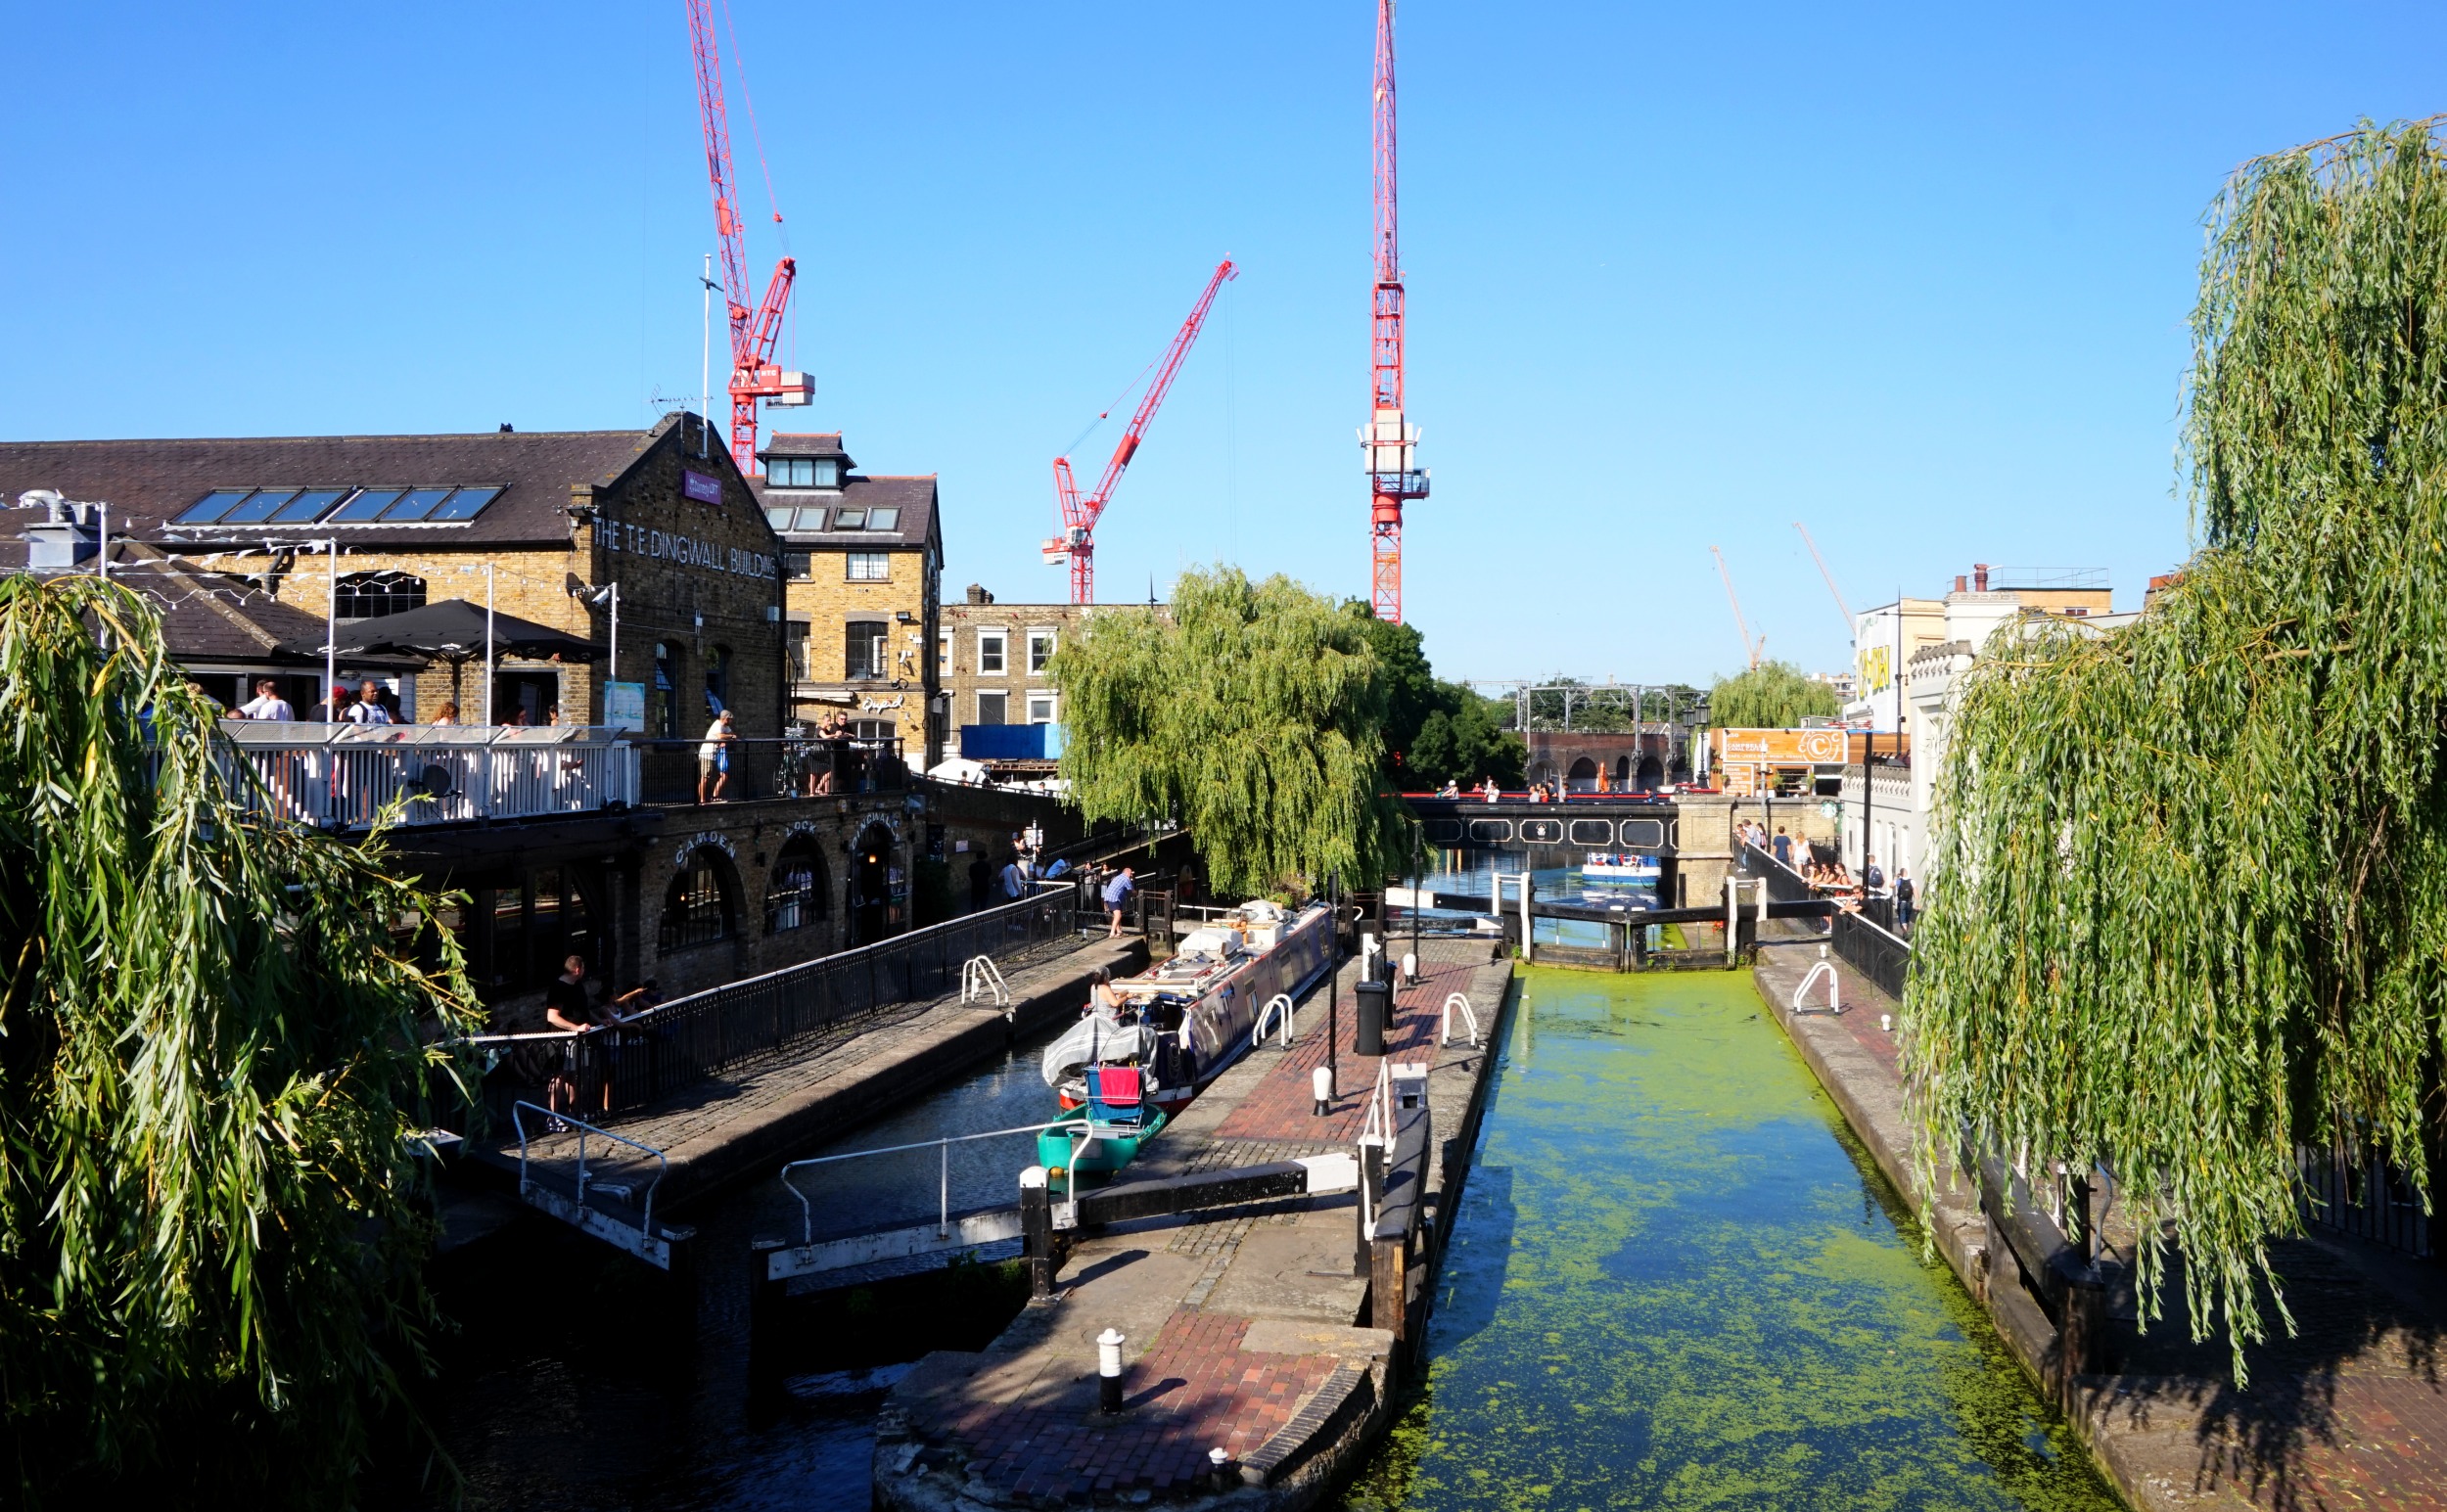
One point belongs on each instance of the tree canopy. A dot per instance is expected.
(1255, 713)
(1435, 730)
(214, 1054)
(2190, 911)
(1771, 696)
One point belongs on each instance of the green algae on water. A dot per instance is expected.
(1676, 1282)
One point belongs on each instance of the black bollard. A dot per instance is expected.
(1036, 1239)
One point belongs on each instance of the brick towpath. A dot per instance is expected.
(2351, 1412)
(1240, 1322)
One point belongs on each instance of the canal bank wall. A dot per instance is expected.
(1256, 1330)
(2350, 1412)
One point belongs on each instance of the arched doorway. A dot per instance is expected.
(867, 894)
(1622, 774)
(702, 904)
(1651, 774)
(1582, 777)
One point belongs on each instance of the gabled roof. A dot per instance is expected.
(914, 497)
(148, 482)
(205, 616)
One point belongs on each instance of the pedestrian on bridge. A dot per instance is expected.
(1117, 897)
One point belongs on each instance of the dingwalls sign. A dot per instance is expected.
(702, 488)
(639, 540)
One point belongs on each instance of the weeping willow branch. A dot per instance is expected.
(215, 1063)
(2192, 906)
(1255, 714)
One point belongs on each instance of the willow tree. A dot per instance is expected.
(1252, 713)
(2191, 907)
(214, 1058)
(1771, 696)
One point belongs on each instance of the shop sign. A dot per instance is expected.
(636, 540)
(700, 486)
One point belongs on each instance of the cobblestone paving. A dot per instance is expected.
(1196, 1389)
(1280, 1108)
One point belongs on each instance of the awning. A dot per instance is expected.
(452, 630)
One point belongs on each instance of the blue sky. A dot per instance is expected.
(1678, 276)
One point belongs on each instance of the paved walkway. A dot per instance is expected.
(1239, 1322)
(2349, 1412)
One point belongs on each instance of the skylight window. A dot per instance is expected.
(887, 518)
(780, 519)
(212, 506)
(367, 506)
(465, 504)
(415, 504)
(259, 506)
(810, 520)
(850, 520)
(309, 506)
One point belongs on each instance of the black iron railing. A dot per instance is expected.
(2371, 1199)
(673, 770)
(668, 1049)
(1862, 936)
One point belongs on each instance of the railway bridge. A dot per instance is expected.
(1691, 834)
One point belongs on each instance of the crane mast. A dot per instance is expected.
(754, 332)
(1832, 591)
(1750, 648)
(1388, 441)
(1076, 545)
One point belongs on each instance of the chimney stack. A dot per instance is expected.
(1979, 578)
(1961, 584)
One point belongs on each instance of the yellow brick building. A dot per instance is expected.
(545, 524)
(863, 562)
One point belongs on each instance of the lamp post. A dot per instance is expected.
(331, 629)
(488, 643)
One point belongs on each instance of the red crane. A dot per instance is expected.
(1389, 443)
(754, 376)
(1076, 545)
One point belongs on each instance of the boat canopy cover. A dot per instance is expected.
(1092, 1039)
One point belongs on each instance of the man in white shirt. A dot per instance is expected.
(267, 703)
(369, 709)
(713, 759)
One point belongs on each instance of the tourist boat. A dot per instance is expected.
(1131, 1069)
(1624, 866)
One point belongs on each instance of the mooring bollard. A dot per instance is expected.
(1220, 1463)
(1037, 1230)
(1109, 1370)
(1321, 1088)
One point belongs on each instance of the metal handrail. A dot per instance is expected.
(982, 978)
(1468, 1016)
(1278, 1011)
(663, 1163)
(807, 1209)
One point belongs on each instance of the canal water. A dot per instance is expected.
(1677, 1282)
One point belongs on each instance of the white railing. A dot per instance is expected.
(342, 775)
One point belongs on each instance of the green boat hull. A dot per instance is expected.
(1114, 1147)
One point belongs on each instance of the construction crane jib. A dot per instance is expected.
(1388, 443)
(755, 332)
(1078, 517)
